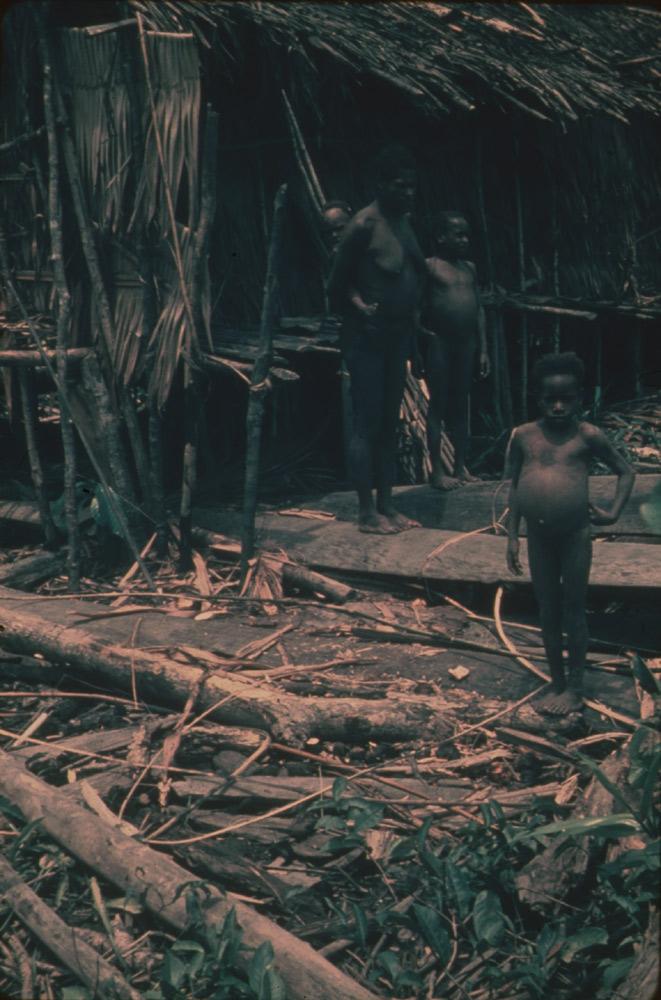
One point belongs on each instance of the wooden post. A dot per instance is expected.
(143, 249)
(192, 380)
(495, 328)
(259, 385)
(29, 406)
(521, 259)
(556, 262)
(63, 312)
(123, 482)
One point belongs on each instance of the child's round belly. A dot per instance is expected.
(551, 500)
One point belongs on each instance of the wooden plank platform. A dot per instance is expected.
(336, 546)
(476, 504)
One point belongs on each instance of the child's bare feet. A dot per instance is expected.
(400, 522)
(467, 477)
(439, 481)
(560, 703)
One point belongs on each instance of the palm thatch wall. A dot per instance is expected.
(538, 121)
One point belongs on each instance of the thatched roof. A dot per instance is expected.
(557, 61)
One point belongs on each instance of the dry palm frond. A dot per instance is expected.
(448, 57)
(170, 332)
(100, 119)
(175, 69)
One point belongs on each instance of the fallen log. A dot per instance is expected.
(238, 701)
(25, 573)
(63, 941)
(161, 884)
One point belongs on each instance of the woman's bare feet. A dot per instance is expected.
(439, 481)
(372, 523)
(467, 477)
(560, 703)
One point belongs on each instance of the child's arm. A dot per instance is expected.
(601, 448)
(513, 464)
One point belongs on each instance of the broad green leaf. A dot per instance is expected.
(75, 993)
(276, 989)
(614, 972)
(361, 923)
(339, 786)
(488, 922)
(615, 825)
(174, 970)
(644, 675)
(258, 966)
(433, 931)
(461, 890)
(389, 961)
(647, 811)
(587, 938)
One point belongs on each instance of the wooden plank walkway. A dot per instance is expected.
(476, 504)
(335, 546)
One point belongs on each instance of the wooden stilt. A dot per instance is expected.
(192, 380)
(63, 311)
(259, 386)
(523, 398)
(123, 482)
(28, 403)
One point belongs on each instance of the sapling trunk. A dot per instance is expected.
(259, 386)
(29, 406)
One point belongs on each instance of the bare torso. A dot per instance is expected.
(552, 490)
(452, 303)
(389, 271)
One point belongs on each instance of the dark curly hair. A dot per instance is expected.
(567, 363)
(391, 160)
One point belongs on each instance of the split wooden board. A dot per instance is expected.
(335, 546)
(477, 504)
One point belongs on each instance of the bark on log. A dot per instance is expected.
(555, 872)
(24, 573)
(643, 979)
(161, 884)
(163, 680)
(64, 941)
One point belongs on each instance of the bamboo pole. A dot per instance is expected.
(21, 140)
(521, 262)
(260, 384)
(192, 380)
(154, 463)
(116, 453)
(63, 312)
(556, 262)
(495, 328)
(23, 359)
(66, 942)
(28, 404)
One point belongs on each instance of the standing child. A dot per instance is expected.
(549, 461)
(453, 319)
